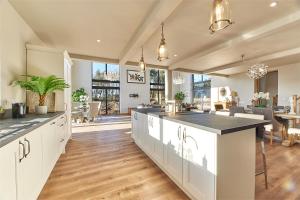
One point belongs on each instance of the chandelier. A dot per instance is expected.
(162, 48)
(111, 76)
(220, 16)
(142, 63)
(257, 71)
(178, 79)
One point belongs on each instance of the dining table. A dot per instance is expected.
(291, 118)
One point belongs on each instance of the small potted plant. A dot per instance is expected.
(179, 97)
(42, 86)
(2, 112)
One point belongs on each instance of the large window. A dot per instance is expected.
(106, 87)
(157, 86)
(201, 87)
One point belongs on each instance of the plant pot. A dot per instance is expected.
(41, 110)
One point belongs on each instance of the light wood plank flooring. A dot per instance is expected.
(102, 162)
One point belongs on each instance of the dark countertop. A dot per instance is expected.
(211, 122)
(22, 126)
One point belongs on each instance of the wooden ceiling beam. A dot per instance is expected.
(253, 35)
(259, 59)
(159, 13)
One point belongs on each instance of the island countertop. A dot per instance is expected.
(210, 122)
(12, 129)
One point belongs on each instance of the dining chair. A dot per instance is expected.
(293, 134)
(95, 110)
(262, 145)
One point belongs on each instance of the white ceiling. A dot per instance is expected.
(76, 25)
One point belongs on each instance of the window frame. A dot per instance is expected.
(158, 84)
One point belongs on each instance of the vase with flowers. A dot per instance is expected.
(260, 99)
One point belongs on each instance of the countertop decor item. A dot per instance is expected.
(42, 86)
(261, 99)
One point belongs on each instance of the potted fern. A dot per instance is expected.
(42, 86)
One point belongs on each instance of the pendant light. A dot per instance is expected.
(162, 48)
(220, 17)
(142, 63)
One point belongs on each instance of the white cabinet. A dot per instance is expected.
(172, 141)
(199, 162)
(29, 166)
(156, 138)
(8, 156)
(50, 147)
(26, 163)
(135, 127)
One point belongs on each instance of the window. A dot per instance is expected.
(157, 86)
(106, 87)
(201, 87)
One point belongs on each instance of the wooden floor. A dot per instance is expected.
(102, 162)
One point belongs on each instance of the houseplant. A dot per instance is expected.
(42, 86)
(179, 97)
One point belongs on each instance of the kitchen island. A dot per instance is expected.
(207, 156)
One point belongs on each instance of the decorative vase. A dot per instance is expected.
(41, 110)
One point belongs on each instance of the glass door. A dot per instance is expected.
(106, 87)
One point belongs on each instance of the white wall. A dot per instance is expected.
(240, 83)
(14, 34)
(143, 90)
(288, 83)
(82, 76)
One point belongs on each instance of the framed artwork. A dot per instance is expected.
(134, 76)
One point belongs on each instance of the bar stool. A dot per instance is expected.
(262, 144)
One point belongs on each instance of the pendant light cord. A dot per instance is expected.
(162, 30)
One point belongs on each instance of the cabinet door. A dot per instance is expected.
(199, 162)
(50, 148)
(155, 135)
(8, 183)
(29, 170)
(172, 139)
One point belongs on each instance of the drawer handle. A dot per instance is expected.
(52, 123)
(28, 145)
(179, 133)
(23, 151)
(62, 140)
(184, 135)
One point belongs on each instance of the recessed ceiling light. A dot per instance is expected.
(273, 4)
(175, 55)
(98, 41)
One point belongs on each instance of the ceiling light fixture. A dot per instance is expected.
(162, 48)
(142, 63)
(98, 41)
(175, 55)
(258, 71)
(220, 16)
(273, 4)
(178, 78)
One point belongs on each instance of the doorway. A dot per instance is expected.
(106, 87)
